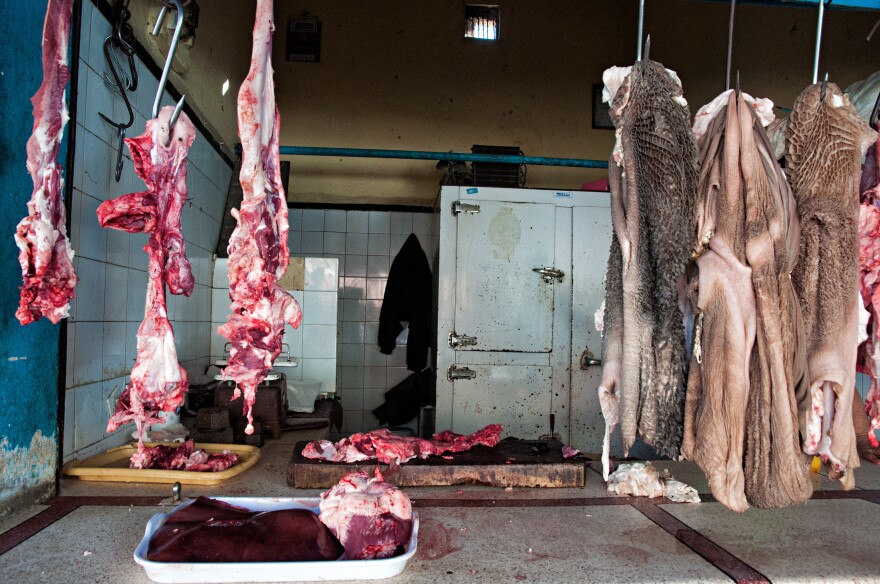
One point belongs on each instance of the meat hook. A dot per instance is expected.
(730, 43)
(818, 39)
(647, 50)
(171, 50)
(824, 88)
(641, 28)
(123, 39)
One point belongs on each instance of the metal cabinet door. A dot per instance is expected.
(590, 242)
(517, 397)
(499, 298)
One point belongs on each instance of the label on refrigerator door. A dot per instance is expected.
(472, 191)
(562, 195)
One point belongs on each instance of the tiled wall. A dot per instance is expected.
(313, 344)
(365, 242)
(112, 265)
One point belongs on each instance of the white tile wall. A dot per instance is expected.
(371, 241)
(313, 344)
(111, 265)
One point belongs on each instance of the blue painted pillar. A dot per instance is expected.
(28, 354)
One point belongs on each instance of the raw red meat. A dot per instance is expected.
(869, 276)
(258, 254)
(386, 447)
(45, 255)
(158, 382)
(372, 518)
(185, 457)
(213, 531)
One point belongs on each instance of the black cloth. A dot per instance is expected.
(404, 400)
(408, 298)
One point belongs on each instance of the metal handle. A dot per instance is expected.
(588, 360)
(454, 373)
(549, 274)
(455, 340)
(466, 208)
(175, 493)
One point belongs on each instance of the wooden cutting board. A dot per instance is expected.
(512, 463)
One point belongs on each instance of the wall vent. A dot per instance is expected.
(482, 21)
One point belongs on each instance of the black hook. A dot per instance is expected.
(122, 38)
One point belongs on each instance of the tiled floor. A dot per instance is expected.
(481, 534)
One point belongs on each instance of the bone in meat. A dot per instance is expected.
(385, 447)
(372, 518)
(652, 184)
(158, 382)
(45, 255)
(258, 254)
(826, 141)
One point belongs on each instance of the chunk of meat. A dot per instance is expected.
(869, 276)
(258, 254)
(45, 254)
(827, 140)
(385, 447)
(186, 457)
(212, 531)
(652, 175)
(158, 382)
(372, 518)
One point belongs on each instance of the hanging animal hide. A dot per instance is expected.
(653, 178)
(826, 143)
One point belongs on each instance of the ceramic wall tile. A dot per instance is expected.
(313, 220)
(356, 243)
(334, 243)
(423, 223)
(88, 408)
(319, 308)
(356, 266)
(380, 222)
(115, 293)
(319, 341)
(334, 221)
(323, 370)
(357, 222)
(312, 243)
(379, 244)
(321, 274)
(401, 222)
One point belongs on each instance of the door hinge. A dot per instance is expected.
(467, 208)
(456, 340)
(549, 274)
(454, 373)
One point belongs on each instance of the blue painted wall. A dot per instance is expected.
(28, 354)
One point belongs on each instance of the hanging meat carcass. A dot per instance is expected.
(258, 254)
(158, 382)
(741, 413)
(869, 277)
(826, 142)
(653, 176)
(45, 254)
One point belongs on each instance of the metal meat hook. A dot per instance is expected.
(120, 38)
(171, 50)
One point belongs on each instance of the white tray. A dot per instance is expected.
(269, 571)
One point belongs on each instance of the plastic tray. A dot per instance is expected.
(269, 571)
(112, 466)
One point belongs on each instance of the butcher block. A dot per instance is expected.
(512, 463)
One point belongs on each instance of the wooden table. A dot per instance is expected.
(512, 463)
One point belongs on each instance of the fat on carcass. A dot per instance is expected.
(158, 382)
(258, 254)
(45, 254)
(370, 517)
(826, 142)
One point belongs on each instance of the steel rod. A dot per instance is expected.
(641, 28)
(436, 156)
(818, 41)
(730, 43)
